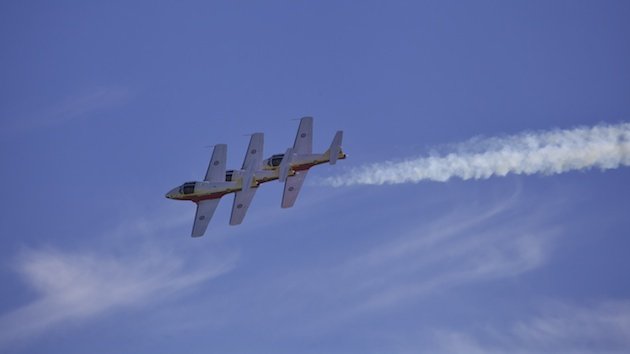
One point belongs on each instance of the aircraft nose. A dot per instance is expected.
(170, 194)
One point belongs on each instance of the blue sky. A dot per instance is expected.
(105, 107)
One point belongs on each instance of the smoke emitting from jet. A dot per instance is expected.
(551, 152)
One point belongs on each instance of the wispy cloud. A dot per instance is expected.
(80, 285)
(560, 328)
(77, 106)
(466, 247)
(550, 152)
(457, 249)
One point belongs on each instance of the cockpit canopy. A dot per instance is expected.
(275, 160)
(187, 188)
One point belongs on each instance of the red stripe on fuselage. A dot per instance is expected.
(305, 166)
(197, 199)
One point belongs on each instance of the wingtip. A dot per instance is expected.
(286, 206)
(234, 223)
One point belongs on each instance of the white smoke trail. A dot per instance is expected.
(551, 152)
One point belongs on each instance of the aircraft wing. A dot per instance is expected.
(292, 188)
(242, 200)
(216, 167)
(303, 144)
(205, 210)
(253, 158)
(252, 162)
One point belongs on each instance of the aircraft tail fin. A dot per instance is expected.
(335, 148)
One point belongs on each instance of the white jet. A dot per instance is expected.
(219, 182)
(290, 168)
(293, 165)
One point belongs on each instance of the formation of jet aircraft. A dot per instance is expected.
(290, 168)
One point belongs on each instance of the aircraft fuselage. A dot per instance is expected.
(300, 162)
(196, 191)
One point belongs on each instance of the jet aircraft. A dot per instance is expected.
(294, 164)
(290, 168)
